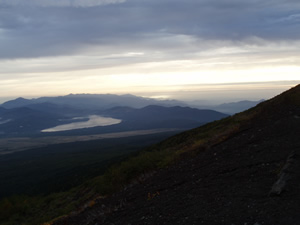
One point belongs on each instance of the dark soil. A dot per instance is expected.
(231, 183)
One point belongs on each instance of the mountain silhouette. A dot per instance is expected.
(31, 119)
(161, 113)
(25, 120)
(92, 101)
(235, 107)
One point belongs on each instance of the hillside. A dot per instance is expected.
(24, 120)
(235, 107)
(32, 119)
(246, 173)
(243, 169)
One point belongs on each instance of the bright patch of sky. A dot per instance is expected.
(60, 3)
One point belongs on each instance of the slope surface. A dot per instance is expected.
(253, 177)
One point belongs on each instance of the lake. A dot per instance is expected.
(94, 121)
(4, 121)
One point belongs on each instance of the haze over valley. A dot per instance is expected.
(70, 118)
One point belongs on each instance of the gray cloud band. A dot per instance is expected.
(59, 3)
(29, 30)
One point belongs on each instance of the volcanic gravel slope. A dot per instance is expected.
(251, 178)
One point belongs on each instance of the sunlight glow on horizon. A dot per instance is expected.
(150, 75)
(143, 73)
(131, 48)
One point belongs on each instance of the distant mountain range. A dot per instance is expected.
(230, 107)
(93, 101)
(154, 112)
(30, 116)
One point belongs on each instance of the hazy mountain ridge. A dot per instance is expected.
(163, 113)
(16, 103)
(88, 102)
(236, 107)
(63, 110)
(93, 101)
(34, 117)
(230, 107)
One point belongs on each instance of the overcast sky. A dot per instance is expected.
(147, 47)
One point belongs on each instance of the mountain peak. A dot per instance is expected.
(19, 102)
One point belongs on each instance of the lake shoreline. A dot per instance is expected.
(93, 121)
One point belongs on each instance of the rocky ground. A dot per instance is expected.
(253, 178)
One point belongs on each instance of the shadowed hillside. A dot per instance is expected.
(243, 169)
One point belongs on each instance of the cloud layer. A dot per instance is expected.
(46, 40)
(36, 28)
(59, 3)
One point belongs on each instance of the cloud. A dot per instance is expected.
(290, 19)
(59, 3)
(165, 27)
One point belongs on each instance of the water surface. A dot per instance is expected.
(4, 121)
(94, 121)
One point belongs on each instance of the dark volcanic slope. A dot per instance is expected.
(251, 178)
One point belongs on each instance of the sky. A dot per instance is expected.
(194, 49)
